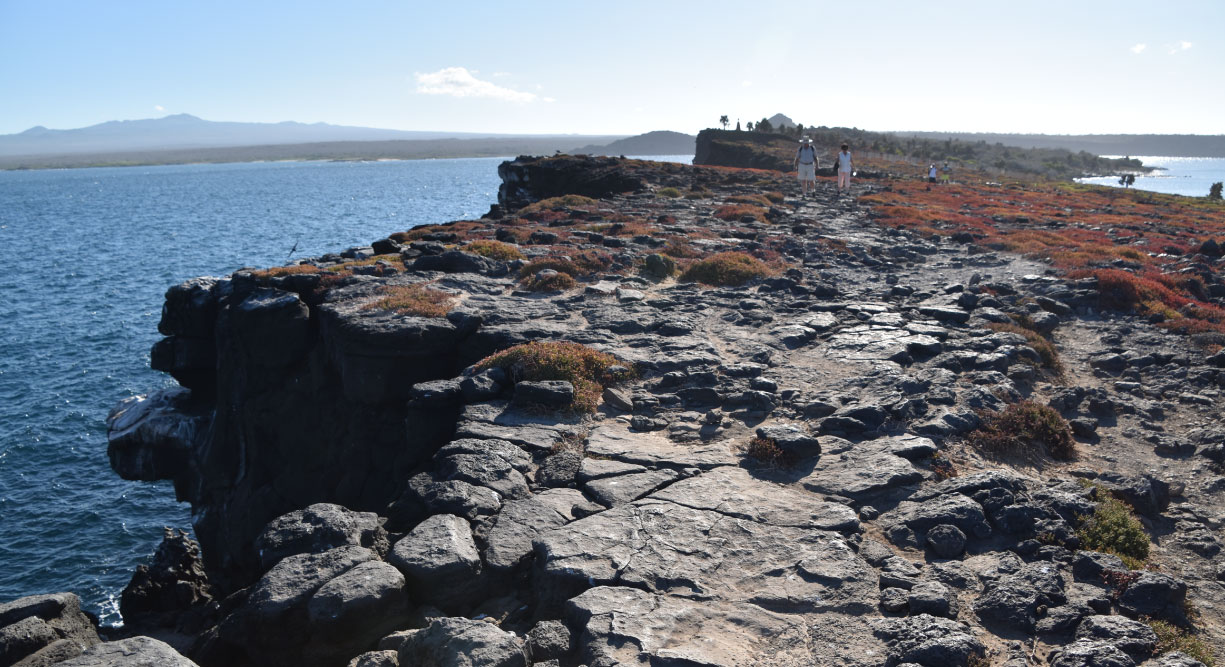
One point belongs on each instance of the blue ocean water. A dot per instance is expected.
(87, 255)
(1191, 176)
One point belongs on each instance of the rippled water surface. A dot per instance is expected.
(85, 257)
(1191, 176)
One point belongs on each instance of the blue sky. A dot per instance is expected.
(621, 67)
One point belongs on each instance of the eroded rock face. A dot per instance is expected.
(364, 497)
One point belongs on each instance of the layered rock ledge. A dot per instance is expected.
(779, 476)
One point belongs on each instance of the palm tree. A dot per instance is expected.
(723, 121)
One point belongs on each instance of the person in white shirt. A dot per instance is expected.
(845, 166)
(806, 162)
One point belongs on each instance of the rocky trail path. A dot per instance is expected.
(785, 482)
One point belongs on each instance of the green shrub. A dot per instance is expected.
(558, 264)
(671, 193)
(1115, 530)
(587, 369)
(726, 269)
(1173, 638)
(494, 250)
(1025, 429)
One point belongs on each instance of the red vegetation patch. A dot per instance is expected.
(1137, 243)
(734, 212)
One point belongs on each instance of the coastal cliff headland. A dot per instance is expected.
(648, 413)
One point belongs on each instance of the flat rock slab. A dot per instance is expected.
(872, 343)
(734, 492)
(498, 420)
(614, 491)
(664, 547)
(653, 450)
(865, 470)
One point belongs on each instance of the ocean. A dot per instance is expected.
(1191, 176)
(88, 256)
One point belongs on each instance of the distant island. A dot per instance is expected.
(187, 139)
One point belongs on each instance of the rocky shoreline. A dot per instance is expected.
(775, 472)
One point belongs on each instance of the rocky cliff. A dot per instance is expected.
(721, 425)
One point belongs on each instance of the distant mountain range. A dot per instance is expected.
(660, 142)
(184, 131)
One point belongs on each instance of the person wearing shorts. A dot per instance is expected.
(845, 166)
(806, 162)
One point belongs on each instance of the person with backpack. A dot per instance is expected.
(845, 166)
(806, 163)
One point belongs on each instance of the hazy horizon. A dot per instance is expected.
(546, 68)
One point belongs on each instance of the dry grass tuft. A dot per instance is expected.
(726, 269)
(1025, 429)
(587, 369)
(416, 299)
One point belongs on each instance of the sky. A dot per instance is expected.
(626, 67)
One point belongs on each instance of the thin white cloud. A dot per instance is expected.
(547, 99)
(746, 84)
(1179, 47)
(459, 82)
(1183, 46)
(159, 107)
(1139, 48)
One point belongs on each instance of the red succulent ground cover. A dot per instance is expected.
(1140, 246)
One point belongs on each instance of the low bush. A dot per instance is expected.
(557, 203)
(587, 369)
(416, 299)
(504, 252)
(1114, 529)
(1045, 348)
(1172, 638)
(767, 452)
(671, 193)
(282, 271)
(726, 269)
(559, 264)
(734, 212)
(1025, 429)
(549, 281)
(760, 200)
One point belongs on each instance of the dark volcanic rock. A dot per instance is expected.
(440, 560)
(131, 652)
(42, 629)
(526, 179)
(161, 593)
(319, 528)
(463, 643)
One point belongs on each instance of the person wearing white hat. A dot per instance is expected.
(806, 162)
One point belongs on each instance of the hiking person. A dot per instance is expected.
(946, 173)
(806, 162)
(931, 173)
(845, 166)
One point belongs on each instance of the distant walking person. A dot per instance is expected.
(931, 173)
(845, 166)
(806, 161)
(946, 173)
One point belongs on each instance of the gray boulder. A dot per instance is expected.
(1134, 638)
(426, 495)
(459, 642)
(929, 641)
(1154, 594)
(1012, 601)
(41, 627)
(318, 528)
(131, 652)
(1091, 653)
(440, 561)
